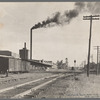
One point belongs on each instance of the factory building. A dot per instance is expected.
(21, 63)
(37, 65)
(44, 62)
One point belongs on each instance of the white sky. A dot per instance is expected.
(55, 43)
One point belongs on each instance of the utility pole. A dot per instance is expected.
(31, 44)
(91, 17)
(97, 48)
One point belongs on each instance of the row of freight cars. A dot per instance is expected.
(14, 64)
(11, 64)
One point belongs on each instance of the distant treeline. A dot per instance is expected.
(93, 67)
(61, 65)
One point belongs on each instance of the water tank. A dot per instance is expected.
(23, 52)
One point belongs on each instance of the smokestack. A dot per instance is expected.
(57, 19)
(31, 44)
(25, 45)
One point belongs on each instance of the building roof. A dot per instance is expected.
(40, 63)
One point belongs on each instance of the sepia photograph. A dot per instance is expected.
(49, 50)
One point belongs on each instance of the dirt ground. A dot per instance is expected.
(79, 86)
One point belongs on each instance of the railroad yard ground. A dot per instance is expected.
(15, 79)
(79, 86)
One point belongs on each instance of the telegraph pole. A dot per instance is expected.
(91, 17)
(97, 48)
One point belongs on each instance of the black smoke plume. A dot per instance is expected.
(59, 19)
(54, 19)
(93, 7)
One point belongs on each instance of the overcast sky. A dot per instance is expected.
(67, 40)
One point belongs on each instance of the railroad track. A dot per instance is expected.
(19, 91)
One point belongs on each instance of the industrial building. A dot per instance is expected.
(21, 63)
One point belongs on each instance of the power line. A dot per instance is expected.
(97, 48)
(91, 17)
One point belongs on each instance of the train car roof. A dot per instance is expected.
(4, 56)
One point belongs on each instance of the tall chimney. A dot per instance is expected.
(31, 44)
(25, 45)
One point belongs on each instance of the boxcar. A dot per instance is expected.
(11, 65)
(4, 64)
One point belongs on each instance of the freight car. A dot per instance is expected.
(3, 64)
(18, 65)
(14, 65)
